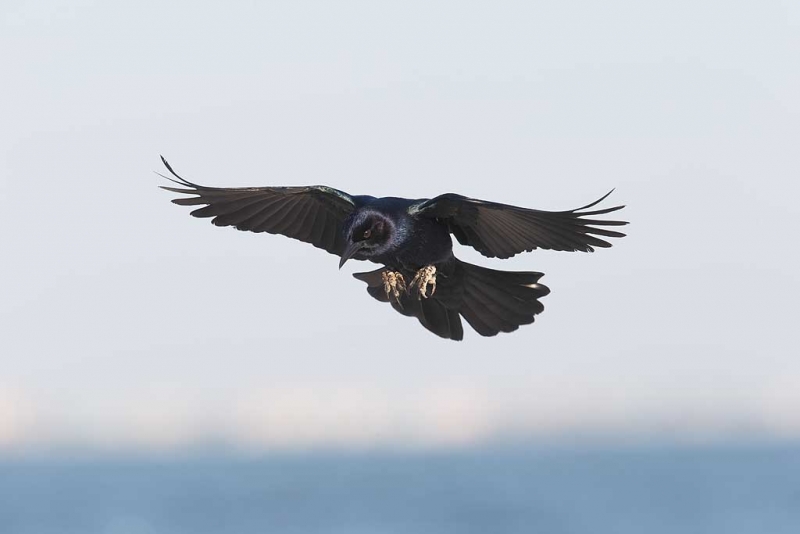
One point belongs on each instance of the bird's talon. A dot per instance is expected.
(425, 277)
(393, 284)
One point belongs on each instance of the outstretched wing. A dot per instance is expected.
(500, 230)
(313, 214)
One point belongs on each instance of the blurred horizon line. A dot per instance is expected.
(360, 417)
(574, 443)
(576, 439)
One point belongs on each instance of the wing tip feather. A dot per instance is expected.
(178, 179)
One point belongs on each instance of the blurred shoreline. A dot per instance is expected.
(510, 447)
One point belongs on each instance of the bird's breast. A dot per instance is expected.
(426, 242)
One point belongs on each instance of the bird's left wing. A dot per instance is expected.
(313, 214)
(501, 231)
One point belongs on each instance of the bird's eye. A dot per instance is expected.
(367, 233)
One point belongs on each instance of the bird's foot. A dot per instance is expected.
(425, 277)
(393, 284)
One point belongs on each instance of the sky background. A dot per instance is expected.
(125, 324)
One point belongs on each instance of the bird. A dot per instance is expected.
(412, 241)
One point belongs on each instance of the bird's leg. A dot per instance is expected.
(424, 277)
(393, 284)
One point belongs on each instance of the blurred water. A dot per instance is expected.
(646, 490)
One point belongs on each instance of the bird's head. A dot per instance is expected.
(366, 234)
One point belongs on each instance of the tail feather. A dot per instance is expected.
(518, 294)
(434, 314)
(500, 301)
(491, 301)
(438, 319)
(510, 308)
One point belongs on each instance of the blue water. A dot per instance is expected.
(637, 490)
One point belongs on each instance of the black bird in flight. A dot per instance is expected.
(420, 276)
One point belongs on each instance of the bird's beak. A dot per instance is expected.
(351, 250)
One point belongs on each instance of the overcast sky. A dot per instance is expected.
(128, 324)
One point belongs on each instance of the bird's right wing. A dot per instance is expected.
(313, 214)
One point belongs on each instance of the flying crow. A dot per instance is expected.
(420, 276)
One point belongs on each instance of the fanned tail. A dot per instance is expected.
(499, 301)
(491, 301)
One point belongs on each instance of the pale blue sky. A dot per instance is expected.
(127, 323)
